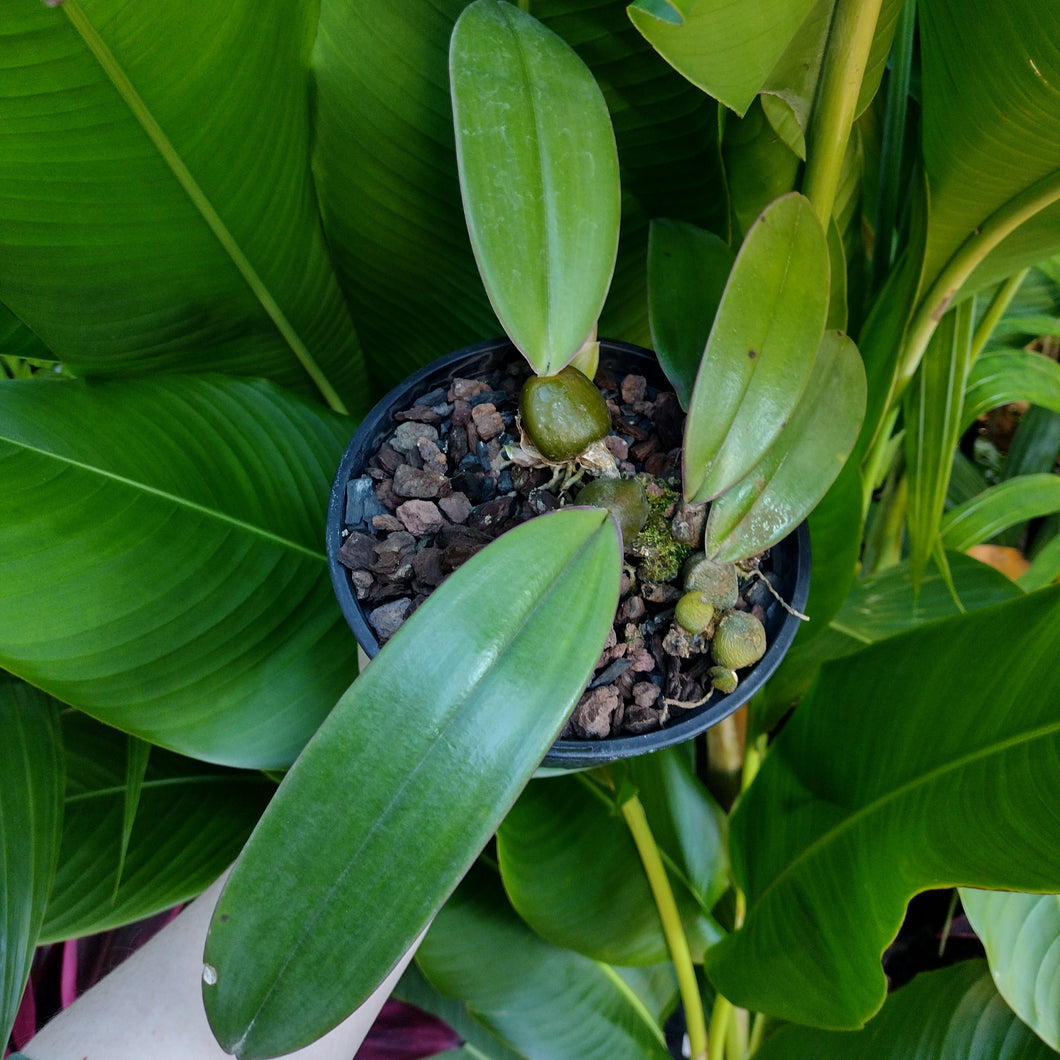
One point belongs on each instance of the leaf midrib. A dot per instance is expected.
(174, 499)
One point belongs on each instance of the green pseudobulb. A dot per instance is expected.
(563, 414)
(624, 498)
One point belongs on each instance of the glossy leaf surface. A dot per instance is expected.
(688, 268)
(727, 49)
(761, 349)
(543, 839)
(162, 565)
(1021, 933)
(191, 822)
(971, 721)
(795, 473)
(407, 779)
(193, 242)
(954, 1013)
(538, 177)
(543, 1000)
(972, 70)
(1006, 504)
(31, 815)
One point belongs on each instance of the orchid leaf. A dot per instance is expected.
(191, 822)
(198, 246)
(950, 1014)
(1002, 376)
(796, 472)
(1021, 933)
(538, 177)
(406, 780)
(1007, 504)
(31, 812)
(138, 753)
(727, 49)
(761, 350)
(541, 999)
(969, 721)
(162, 566)
(687, 271)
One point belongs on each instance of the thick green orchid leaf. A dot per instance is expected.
(193, 242)
(761, 350)
(541, 841)
(932, 417)
(1044, 568)
(542, 1000)
(1021, 933)
(950, 1014)
(162, 565)
(191, 822)
(759, 167)
(407, 779)
(1001, 376)
(963, 718)
(31, 817)
(17, 341)
(687, 271)
(727, 49)
(972, 71)
(538, 177)
(137, 755)
(999, 507)
(796, 472)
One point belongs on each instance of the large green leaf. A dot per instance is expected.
(950, 1014)
(688, 268)
(156, 203)
(727, 49)
(761, 349)
(31, 814)
(191, 822)
(990, 164)
(542, 1000)
(538, 176)
(569, 828)
(162, 565)
(797, 470)
(406, 780)
(932, 416)
(1006, 504)
(886, 787)
(1021, 933)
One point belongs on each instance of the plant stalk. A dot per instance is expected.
(994, 312)
(676, 942)
(846, 55)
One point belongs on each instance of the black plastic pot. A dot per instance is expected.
(790, 559)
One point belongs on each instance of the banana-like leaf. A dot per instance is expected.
(1001, 376)
(761, 349)
(543, 1000)
(31, 814)
(538, 177)
(162, 565)
(932, 416)
(1021, 933)
(543, 840)
(190, 240)
(137, 755)
(727, 49)
(191, 822)
(406, 780)
(797, 470)
(1044, 568)
(16, 340)
(871, 778)
(999, 507)
(954, 1013)
(688, 268)
(972, 70)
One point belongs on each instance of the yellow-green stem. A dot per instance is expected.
(676, 942)
(994, 312)
(846, 55)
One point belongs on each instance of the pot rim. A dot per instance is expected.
(566, 754)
